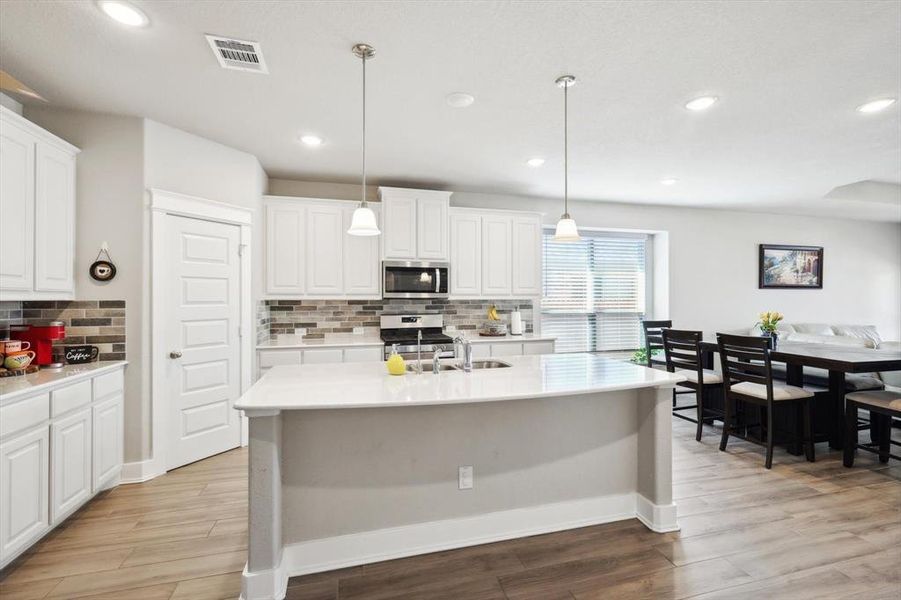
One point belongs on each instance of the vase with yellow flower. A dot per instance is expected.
(768, 323)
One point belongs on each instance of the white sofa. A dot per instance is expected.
(860, 336)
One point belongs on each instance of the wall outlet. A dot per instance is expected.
(300, 331)
(464, 478)
(359, 331)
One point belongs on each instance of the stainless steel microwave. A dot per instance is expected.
(415, 279)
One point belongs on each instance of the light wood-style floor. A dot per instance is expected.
(799, 531)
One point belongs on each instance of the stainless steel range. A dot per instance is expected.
(404, 331)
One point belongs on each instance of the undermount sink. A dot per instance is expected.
(489, 364)
(427, 367)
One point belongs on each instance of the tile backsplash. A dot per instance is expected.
(316, 318)
(100, 323)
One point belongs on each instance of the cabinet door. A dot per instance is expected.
(526, 256)
(322, 356)
(506, 349)
(107, 441)
(542, 347)
(285, 235)
(355, 355)
(70, 464)
(54, 217)
(399, 216)
(24, 497)
(496, 259)
(466, 254)
(361, 260)
(481, 350)
(431, 228)
(16, 208)
(325, 250)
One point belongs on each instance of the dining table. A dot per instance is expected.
(837, 360)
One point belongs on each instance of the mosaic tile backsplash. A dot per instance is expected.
(316, 318)
(100, 323)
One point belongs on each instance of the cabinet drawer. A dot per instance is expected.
(23, 414)
(108, 384)
(506, 349)
(354, 355)
(481, 350)
(538, 347)
(323, 355)
(273, 358)
(70, 397)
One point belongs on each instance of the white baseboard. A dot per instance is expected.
(140, 471)
(656, 517)
(264, 585)
(337, 552)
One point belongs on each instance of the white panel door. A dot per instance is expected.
(399, 216)
(24, 496)
(16, 208)
(361, 260)
(202, 345)
(431, 226)
(325, 250)
(526, 256)
(285, 248)
(466, 254)
(496, 258)
(108, 436)
(70, 442)
(54, 215)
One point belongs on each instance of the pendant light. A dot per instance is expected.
(363, 221)
(566, 226)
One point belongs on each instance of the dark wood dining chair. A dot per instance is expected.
(683, 357)
(653, 340)
(883, 405)
(748, 377)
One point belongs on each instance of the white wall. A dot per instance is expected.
(109, 207)
(713, 258)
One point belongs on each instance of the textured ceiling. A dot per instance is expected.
(783, 136)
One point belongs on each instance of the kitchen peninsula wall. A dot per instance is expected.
(321, 317)
(99, 323)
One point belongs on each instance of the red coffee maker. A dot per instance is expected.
(41, 339)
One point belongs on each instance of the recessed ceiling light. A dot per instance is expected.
(669, 181)
(535, 162)
(875, 105)
(123, 12)
(702, 103)
(460, 99)
(311, 140)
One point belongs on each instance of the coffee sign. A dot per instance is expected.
(76, 355)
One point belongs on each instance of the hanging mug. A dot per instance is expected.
(76, 355)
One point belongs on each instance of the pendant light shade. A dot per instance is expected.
(566, 227)
(363, 222)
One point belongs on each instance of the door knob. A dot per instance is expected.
(175, 354)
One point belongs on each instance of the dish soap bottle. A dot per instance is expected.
(395, 363)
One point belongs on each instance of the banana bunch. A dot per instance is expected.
(492, 313)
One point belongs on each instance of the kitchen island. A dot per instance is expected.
(349, 465)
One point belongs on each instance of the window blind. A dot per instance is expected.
(595, 291)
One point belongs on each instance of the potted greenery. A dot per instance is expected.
(640, 356)
(768, 323)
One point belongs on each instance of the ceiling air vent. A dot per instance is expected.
(237, 54)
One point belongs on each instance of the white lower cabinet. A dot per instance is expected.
(272, 357)
(356, 355)
(501, 349)
(57, 450)
(24, 492)
(481, 350)
(70, 440)
(542, 347)
(506, 349)
(318, 356)
(108, 436)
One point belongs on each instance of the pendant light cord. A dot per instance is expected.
(363, 193)
(566, 149)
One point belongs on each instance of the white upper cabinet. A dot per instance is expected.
(37, 211)
(527, 256)
(54, 216)
(16, 208)
(497, 275)
(309, 253)
(285, 250)
(325, 250)
(361, 272)
(415, 225)
(466, 253)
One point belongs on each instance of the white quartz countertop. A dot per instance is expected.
(47, 379)
(337, 340)
(475, 338)
(368, 385)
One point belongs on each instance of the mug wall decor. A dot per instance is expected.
(76, 355)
